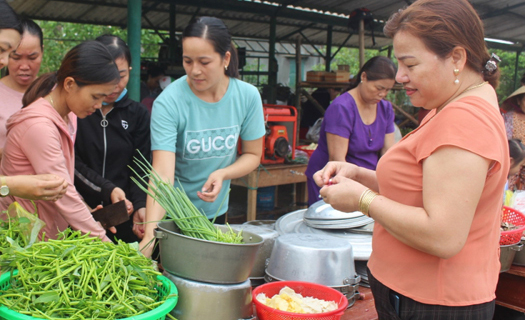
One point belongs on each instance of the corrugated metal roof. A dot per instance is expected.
(504, 19)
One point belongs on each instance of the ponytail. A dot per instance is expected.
(376, 68)
(491, 71)
(233, 67)
(40, 88)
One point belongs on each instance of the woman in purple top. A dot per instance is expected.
(358, 127)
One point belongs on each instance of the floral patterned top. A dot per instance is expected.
(515, 128)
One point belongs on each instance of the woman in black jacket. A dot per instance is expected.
(106, 143)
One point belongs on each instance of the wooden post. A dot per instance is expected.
(328, 56)
(361, 42)
(272, 62)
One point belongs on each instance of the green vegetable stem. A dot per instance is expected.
(179, 208)
(79, 277)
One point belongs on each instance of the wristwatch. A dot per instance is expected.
(4, 189)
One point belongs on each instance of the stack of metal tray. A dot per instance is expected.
(321, 215)
(361, 240)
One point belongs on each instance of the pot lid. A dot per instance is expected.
(323, 211)
(293, 222)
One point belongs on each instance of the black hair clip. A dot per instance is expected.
(492, 63)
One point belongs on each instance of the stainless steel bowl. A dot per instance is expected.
(507, 254)
(203, 260)
(318, 258)
(519, 258)
(199, 300)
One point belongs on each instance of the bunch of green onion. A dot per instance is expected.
(179, 208)
(78, 277)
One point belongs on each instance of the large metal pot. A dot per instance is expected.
(268, 235)
(200, 300)
(507, 254)
(203, 260)
(317, 258)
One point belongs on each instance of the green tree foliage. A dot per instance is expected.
(509, 80)
(350, 56)
(59, 37)
(508, 67)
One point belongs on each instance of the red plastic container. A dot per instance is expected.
(306, 289)
(516, 218)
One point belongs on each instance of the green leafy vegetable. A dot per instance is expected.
(78, 277)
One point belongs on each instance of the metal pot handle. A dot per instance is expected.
(517, 247)
(348, 281)
(159, 234)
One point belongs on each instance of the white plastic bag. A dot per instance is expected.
(314, 131)
(518, 200)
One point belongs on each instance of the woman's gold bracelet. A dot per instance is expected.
(365, 200)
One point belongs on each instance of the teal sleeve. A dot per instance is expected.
(253, 125)
(164, 124)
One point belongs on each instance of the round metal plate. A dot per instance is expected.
(339, 224)
(293, 222)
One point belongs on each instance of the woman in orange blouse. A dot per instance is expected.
(435, 244)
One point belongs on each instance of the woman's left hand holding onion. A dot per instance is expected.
(342, 194)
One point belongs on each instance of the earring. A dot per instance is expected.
(456, 73)
(225, 67)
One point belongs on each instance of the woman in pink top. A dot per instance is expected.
(40, 136)
(23, 66)
(435, 244)
(44, 186)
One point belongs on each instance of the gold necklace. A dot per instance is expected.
(445, 104)
(66, 119)
(462, 92)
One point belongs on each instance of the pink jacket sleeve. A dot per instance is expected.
(41, 145)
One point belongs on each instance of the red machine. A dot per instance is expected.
(281, 127)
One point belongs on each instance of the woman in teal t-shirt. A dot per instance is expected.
(197, 121)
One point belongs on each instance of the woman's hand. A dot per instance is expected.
(118, 195)
(37, 187)
(335, 169)
(139, 218)
(343, 194)
(212, 187)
